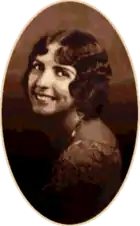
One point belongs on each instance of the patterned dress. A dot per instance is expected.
(84, 180)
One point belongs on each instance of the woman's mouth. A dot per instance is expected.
(44, 97)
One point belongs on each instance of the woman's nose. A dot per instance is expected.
(46, 79)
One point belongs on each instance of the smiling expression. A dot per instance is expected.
(48, 83)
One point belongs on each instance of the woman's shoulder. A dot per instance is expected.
(93, 141)
(93, 144)
(95, 130)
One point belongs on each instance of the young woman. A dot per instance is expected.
(66, 83)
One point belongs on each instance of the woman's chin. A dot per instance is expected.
(46, 111)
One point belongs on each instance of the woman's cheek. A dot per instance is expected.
(32, 79)
(62, 87)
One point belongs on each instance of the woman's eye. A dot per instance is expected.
(37, 66)
(61, 73)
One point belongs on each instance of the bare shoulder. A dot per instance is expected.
(97, 130)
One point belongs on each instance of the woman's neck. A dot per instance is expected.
(70, 121)
(60, 125)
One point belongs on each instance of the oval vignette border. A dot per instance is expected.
(39, 11)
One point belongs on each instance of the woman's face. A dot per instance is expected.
(48, 83)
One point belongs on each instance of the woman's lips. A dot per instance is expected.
(44, 97)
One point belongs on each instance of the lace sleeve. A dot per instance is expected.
(89, 162)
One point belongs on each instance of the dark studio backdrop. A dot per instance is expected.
(120, 114)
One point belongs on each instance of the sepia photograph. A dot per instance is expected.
(69, 112)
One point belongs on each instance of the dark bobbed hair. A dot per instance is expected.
(82, 51)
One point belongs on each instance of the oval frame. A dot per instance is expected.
(48, 5)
